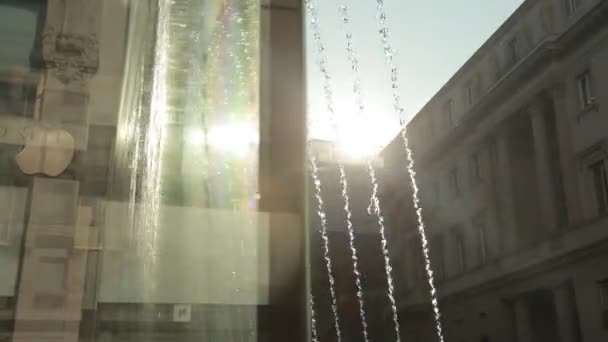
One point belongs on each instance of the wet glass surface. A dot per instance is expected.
(129, 171)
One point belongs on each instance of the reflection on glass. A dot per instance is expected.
(190, 149)
(150, 226)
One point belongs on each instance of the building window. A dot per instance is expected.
(457, 240)
(513, 50)
(469, 95)
(573, 6)
(480, 228)
(603, 289)
(448, 113)
(437, 259)
(495, 69)
(600, 185)
(21, 26)
(585, 90)
(453, 182)
(475, 168)
(415, 262)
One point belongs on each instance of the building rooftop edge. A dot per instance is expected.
(470, 62)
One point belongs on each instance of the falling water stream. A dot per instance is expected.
(325, 240)
(150, 199)
(389, 53)
(313, 321)
(328, 93)
(375, 201)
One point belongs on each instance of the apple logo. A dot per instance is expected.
(46, 150)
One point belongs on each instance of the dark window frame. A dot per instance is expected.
(475, 168)
(513, 50)
(448, 113)
(470, 94)
(480, 227)
(459, 242)
(573, 6)
(437, 254)
(585, 89)
(599, 179)
(453, 182)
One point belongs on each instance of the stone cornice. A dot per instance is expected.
(544, 56)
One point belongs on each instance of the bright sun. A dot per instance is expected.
(359, 135)
(361, 139)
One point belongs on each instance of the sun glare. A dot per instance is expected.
(237, 138)
(355, 146)
(359, 135)
(359, 139)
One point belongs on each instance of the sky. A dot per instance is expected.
(432, 40)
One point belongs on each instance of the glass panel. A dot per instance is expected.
(130, 172)
(194, 113)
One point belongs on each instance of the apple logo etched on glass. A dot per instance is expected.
(46, 150)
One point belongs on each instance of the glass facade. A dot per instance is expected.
(130, 182)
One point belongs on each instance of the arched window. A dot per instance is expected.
(21, 25)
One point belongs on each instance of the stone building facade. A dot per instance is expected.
(511, 157)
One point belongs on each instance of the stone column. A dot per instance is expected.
(522, 319)
(567, 158)
(504, 189)
(547, 193)
(566, 313)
